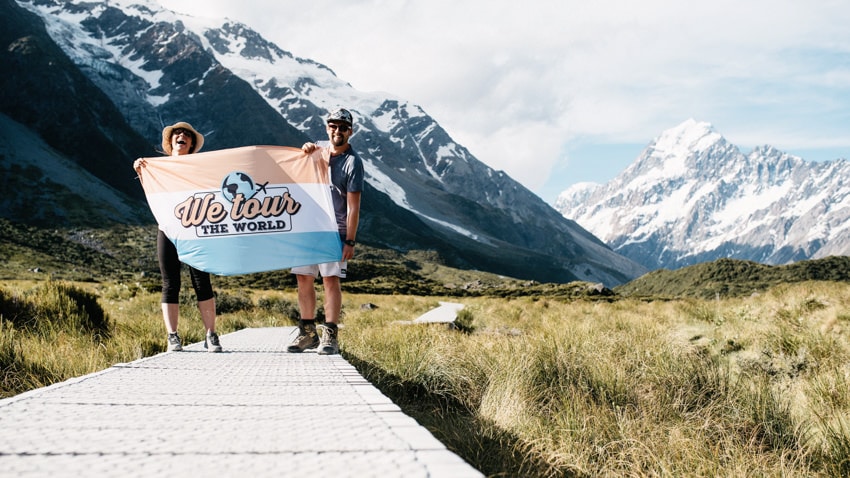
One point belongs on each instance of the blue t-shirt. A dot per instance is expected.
(346, 176)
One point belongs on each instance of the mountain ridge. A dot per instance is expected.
(733, 278)
(691, 196)
(158, 67)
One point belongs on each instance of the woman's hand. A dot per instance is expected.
(138, 165)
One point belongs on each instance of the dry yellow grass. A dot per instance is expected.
(540, 387)
(738, 387)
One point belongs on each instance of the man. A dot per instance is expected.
(346, 171)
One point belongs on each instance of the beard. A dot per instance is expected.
(338, 140)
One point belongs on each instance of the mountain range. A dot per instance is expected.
(693, 197)
(90, 85)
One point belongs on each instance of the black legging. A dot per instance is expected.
(169, 267)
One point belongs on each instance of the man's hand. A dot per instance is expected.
(309, 147)
(347, 252)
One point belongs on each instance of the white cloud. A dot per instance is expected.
(532, 76)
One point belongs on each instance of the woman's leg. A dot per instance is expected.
(169, 268)
(206, 298)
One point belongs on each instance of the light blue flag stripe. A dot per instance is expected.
(246, 254)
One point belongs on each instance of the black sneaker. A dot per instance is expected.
(211, 343)
(174, 342)
(329, 345)
(307, 338)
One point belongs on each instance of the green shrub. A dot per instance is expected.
(279, 306)
(57, 306)
(228, 303)
(14, 309)
(464, 321)
(17, 373)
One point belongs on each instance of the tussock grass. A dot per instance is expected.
(731, 387)
(532, 386)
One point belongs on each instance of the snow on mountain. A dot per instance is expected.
(158, 67)
(691, 196)
(243, 52)
(236, 47)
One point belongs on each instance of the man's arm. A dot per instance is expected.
(353, 200)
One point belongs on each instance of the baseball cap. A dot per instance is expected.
(341, 114)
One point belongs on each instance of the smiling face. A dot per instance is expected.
(338, 133)
(182, 142)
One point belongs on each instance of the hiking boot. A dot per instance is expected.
(328, 345)
(307, 338)
(174, 343)
(211, 343)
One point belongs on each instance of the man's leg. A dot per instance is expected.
(333, 307)
(307, 336)
(306, 296)
(333, 299)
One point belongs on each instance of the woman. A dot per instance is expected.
(177, 140)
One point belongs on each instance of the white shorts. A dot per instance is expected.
(327, 269)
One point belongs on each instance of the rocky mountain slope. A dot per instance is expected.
(122, 69)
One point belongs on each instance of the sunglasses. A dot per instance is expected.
(342, 128)
(181, 131)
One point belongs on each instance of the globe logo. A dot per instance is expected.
(235, 183)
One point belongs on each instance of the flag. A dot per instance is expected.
(244, 210)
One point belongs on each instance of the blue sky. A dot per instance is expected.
(556, 92)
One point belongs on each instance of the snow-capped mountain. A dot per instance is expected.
(691, 197)
(424, 191)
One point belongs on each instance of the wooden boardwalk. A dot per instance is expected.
(253, 410)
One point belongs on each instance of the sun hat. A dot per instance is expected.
(342, 115)
(197, 144)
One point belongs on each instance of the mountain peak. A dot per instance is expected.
(689, 136)
(677, 152)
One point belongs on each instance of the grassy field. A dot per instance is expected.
(527, 386)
